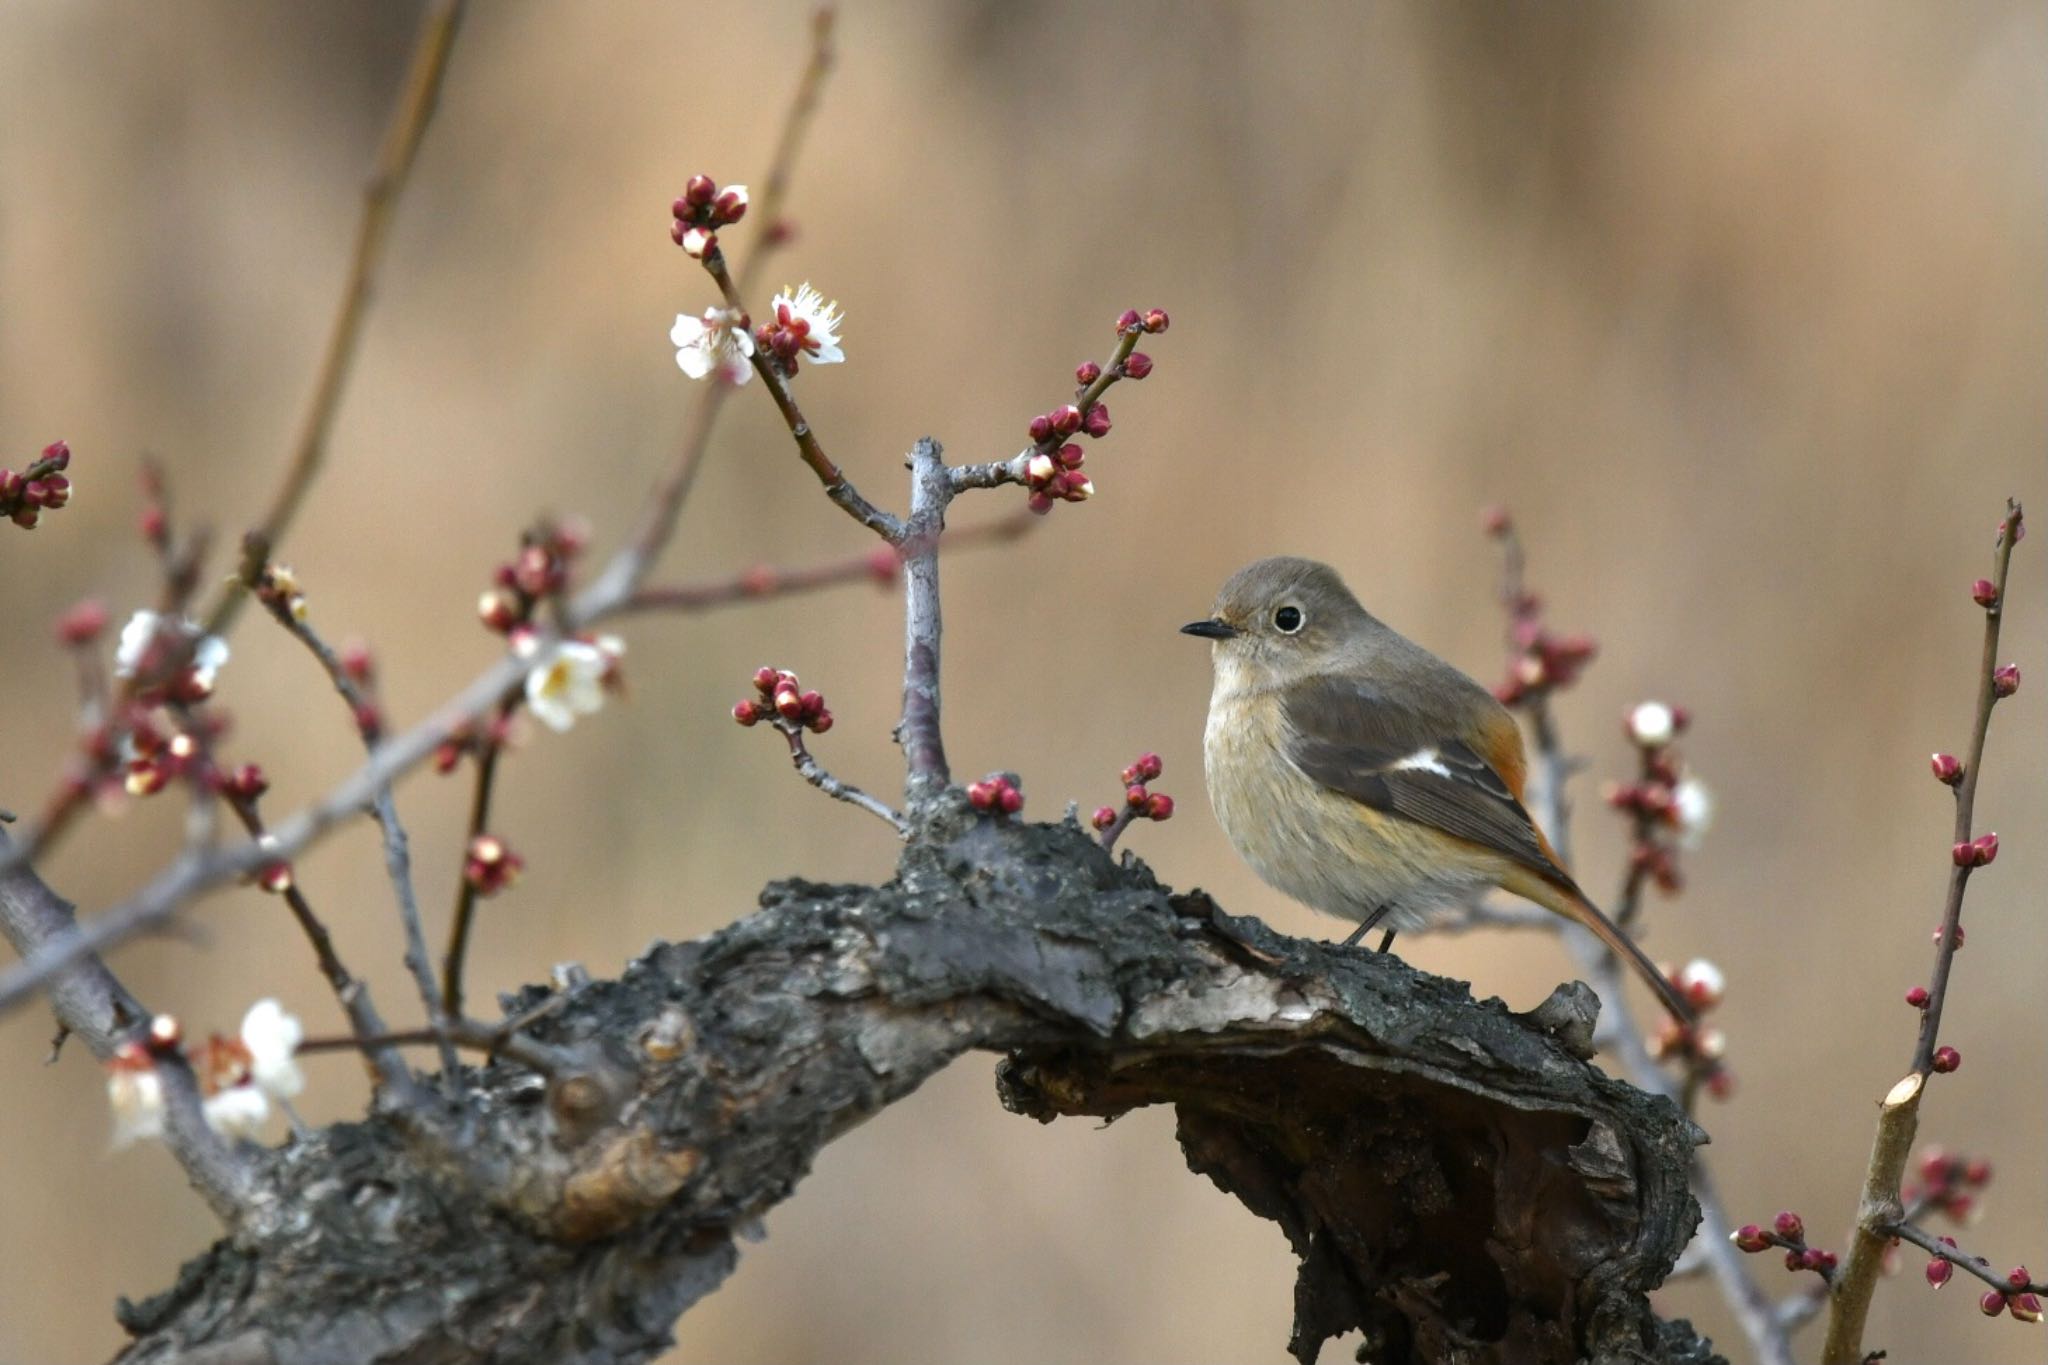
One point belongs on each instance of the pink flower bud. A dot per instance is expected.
(1066, 419)
(980, 795)
(1938, 1271)
(1103, 818)
(1962, 855)
(2019, 531)
(1795, 1260)
(497, 610)
(731, 206)
(746, 713)
(788, 704)
(699, 191)
(1070, 456)
(1136, 796)
(358, 663)
(26, 517)
(1040, 503)
(1947, 1059)
(820, 723)
(812, 703)
(1991, 1304)
(1010, 799)
(1984, 593)
(1040, 429)
(1977, 1172)
(276, 878)
(1984, 850)
(1086, 373)
(2026, 1307)
(1096, 423)
(1148, 766)
(1129, 320)
(1948, 769)
(1039, 469)
(2005, 680)
(1156, 319)
(82, 624)
(57, 455)
(11, 485)
(1749, 1237)
(697, 242)
(765, 680)
(1918, 997)
(1789, 1226)
(2018, 1277)
(1160, 807)
(1076, 487)
(1960, 935)
(884, 564)
(1137, 365)
(491, 865)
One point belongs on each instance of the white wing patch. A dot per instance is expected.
(1428, 760)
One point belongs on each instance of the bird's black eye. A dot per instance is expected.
(1287, 620)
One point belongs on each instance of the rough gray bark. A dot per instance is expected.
(1456, 1180)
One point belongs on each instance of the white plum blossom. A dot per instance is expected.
(570, 682)
(239, 1111)
(1703, 982)
(1652, 724)
(272, 1036)
(1693, 804)
(136, 1095)
(713, 342)
(142, 629)
(815, 321)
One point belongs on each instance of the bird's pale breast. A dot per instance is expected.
(1321, 848)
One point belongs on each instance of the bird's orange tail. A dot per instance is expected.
(1574, 906)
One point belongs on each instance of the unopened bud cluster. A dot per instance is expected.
(784, 703)
(996, 794)
(42, 487)
(538, 572)
(1787, 1232)
(1052, 467)
(702, 210)
(1979, 852)
(489, 865)
(1539, 661)
(1140, 801)
(1948, 1183)
(1668, 810)
(1700, 1047)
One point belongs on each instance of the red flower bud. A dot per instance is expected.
(1138, 365)
(1938, 1271)
(1977, 1172)
(1148, 766)
(1963, 855)
(497, 610)
(2018, 1277)
(1086, 373)
(1010, 799)
(1947, 1059)
(1984, 850)
(1917, 997)
(276, 878)
(884, 564)
(730, 206)
(1795, 1260)
(765, 680)
(1156, 319)
(2026, 1307)
(699, 191)
(813, 704)
(1096, 423)
(358, 663)
(1984, 593)
(820, 723)
(1991, 1304)
(1104, 817)
(1129, 319)
(1070, 456)
(1136, 796)
(1040, 503)
(746, 713)
(2005, 680)
(57, 455)
(82, 624)
(1040, 429)
(980, 795)
(1789, 1226)
(1160, 807)
(1948, 769)
(788, 704)
(1066, 419)
(1750, 1237)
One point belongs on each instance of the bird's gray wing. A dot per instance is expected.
(1406, 761)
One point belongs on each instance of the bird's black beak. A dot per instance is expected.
(1211, 629)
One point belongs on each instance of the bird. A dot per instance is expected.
(1361, 775)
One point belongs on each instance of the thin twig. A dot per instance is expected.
(996, 473)
(1962, 1260)
(465, 890)
(881, 566)
(796, 122)
(417, 98)
(1899, 1115)
(814, 773)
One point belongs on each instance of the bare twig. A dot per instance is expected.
(1962, 1260)
(1899, 1116)
(417, 98)
(814, 773)
(881, 566)
(465, 890)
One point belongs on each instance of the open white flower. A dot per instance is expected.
(714, 341)
(569, 683)
(815, 322)
(239, 1111)
(137, 1098)
(141, 631)
(272, 1036)
(1694, 805)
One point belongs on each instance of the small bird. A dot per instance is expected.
(1362, 775)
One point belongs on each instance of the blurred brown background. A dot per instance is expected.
(1739, 307)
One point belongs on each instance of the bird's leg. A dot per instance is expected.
(1365, 927)
(1387, 941)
